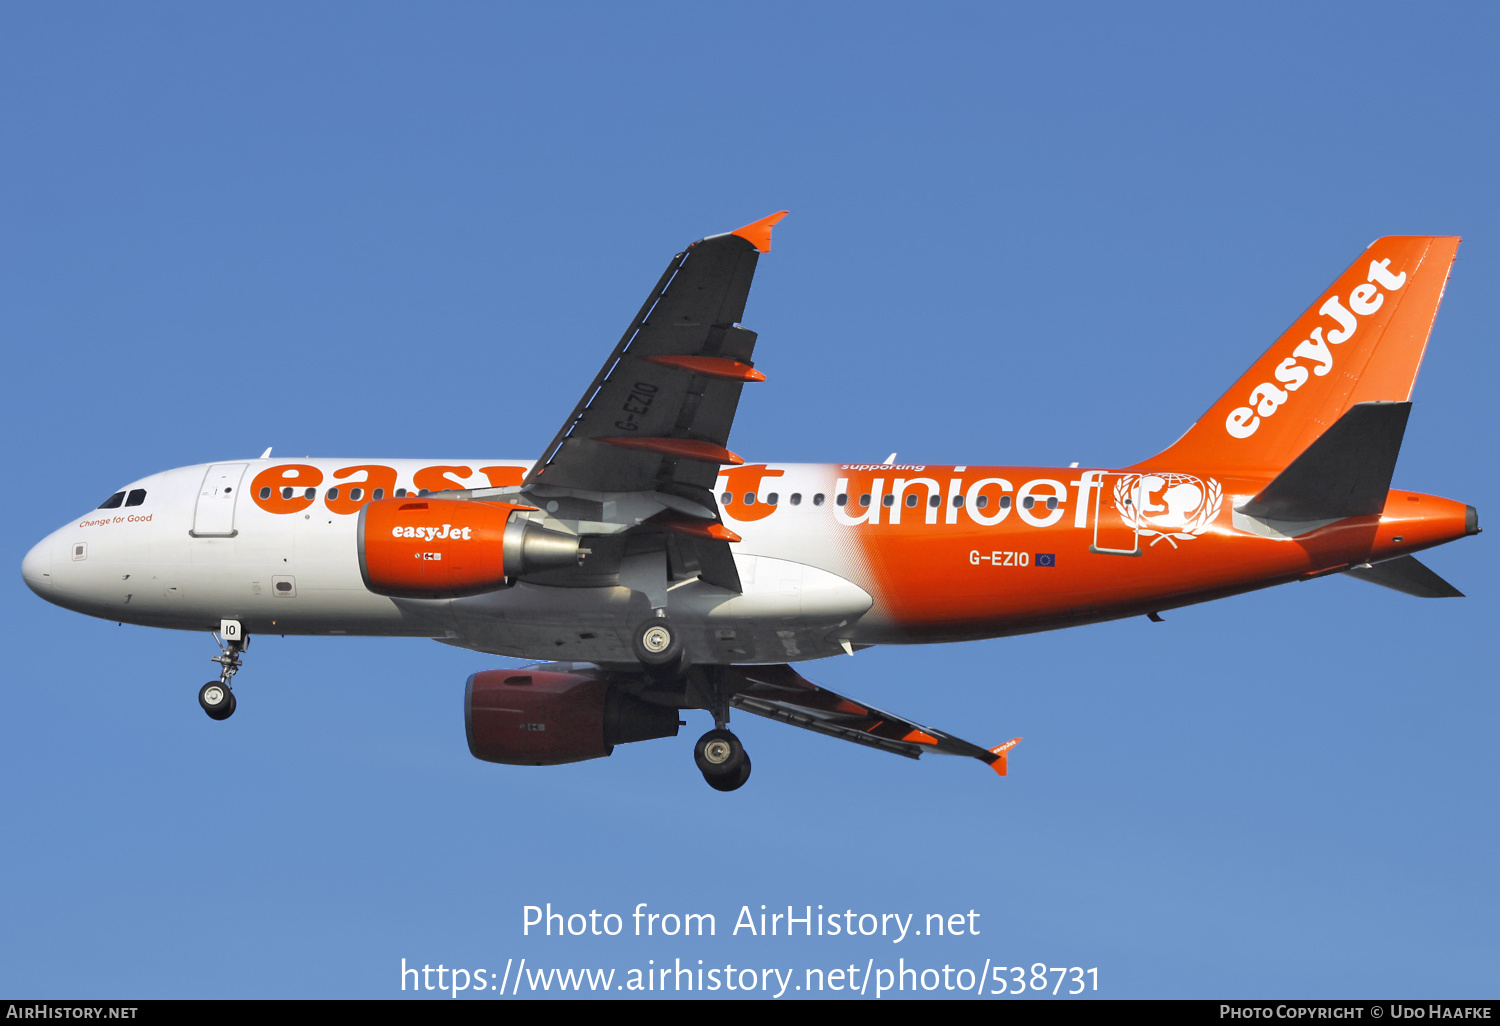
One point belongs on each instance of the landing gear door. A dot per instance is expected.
(1117, 524)
(214, 515)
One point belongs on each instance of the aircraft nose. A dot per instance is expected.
(36, 568)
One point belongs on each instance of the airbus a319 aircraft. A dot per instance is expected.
(655, 570)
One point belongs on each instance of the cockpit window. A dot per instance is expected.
(113, 502)
(136, 497)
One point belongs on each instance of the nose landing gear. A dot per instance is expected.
(217, 697)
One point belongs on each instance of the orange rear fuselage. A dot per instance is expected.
(953, 553)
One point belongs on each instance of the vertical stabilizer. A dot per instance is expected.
(1361, 341)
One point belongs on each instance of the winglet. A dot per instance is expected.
(999, 752)
(758, 233)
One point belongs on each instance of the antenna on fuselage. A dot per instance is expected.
(889, 460)
(267, 454)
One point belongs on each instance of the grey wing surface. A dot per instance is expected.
(656, 418)
(657, 415)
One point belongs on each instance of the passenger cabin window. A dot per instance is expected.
(1005, 502)
(796, 498)
(727, 499)
(286, 491)
(310, 493)
(889, 500)
(138, 496)
(265, 493)
(911, 500)
(773, 498)
(113, 502)
(356, 494)
(818, 499)
(749, 498)
(935, 501)
(864, 500)
(379, 494)
(1028, 502)
(1052, 502)
(983, 501)
(958, 501)
(400, 493)
(843, 500)
(333, 493)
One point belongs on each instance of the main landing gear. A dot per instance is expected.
(720, 757)
(217, 697)
(722, 760)
(658, 647)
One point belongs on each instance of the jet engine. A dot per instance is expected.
(446, 548)
(534, 717)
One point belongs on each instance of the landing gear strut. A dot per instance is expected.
(217, 697)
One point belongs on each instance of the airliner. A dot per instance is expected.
(647, 569)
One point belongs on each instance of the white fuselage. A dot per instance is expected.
(188, 555)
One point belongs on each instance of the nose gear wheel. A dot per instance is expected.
(217, 700)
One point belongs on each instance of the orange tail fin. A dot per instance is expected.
(1000, 752)
(1361, 340)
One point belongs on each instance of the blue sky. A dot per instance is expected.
(1017, 235)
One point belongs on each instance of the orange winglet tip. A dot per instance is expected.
(683, 448)
(1000, 752)
(920, 737)
(711, 367)
(758, 233)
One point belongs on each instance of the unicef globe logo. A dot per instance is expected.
(1170, 507)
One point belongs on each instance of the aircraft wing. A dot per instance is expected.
(656, 417)
(781, 693)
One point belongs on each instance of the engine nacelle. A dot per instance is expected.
(532, 717)
(445, 548)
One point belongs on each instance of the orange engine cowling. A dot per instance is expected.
(537, 717)
(445, 548)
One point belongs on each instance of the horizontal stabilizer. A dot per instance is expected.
(1406, 574)
(1345, 473)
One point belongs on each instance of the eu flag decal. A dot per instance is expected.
(1046, 559)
